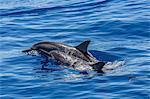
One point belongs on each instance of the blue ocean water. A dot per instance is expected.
(118, 29)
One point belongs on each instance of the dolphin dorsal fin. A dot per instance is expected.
(83, 46)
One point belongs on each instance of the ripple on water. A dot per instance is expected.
(119, 31)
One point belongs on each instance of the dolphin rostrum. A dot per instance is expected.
(77, 57)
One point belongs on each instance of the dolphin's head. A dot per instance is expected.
(34, 47)
(46, 46)
(37, 46)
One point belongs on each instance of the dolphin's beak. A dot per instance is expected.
(27, 50)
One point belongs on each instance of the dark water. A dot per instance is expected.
(118, 29)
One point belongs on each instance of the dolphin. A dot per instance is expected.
(74, 57)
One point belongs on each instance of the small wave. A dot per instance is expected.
(80, 7)
(32, 11)
(112, 65)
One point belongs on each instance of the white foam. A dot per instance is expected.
(109, 66)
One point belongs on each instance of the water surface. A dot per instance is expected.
(118, 29)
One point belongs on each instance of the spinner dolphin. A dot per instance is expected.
(74, 57)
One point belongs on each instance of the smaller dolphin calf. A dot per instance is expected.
(77, 57)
